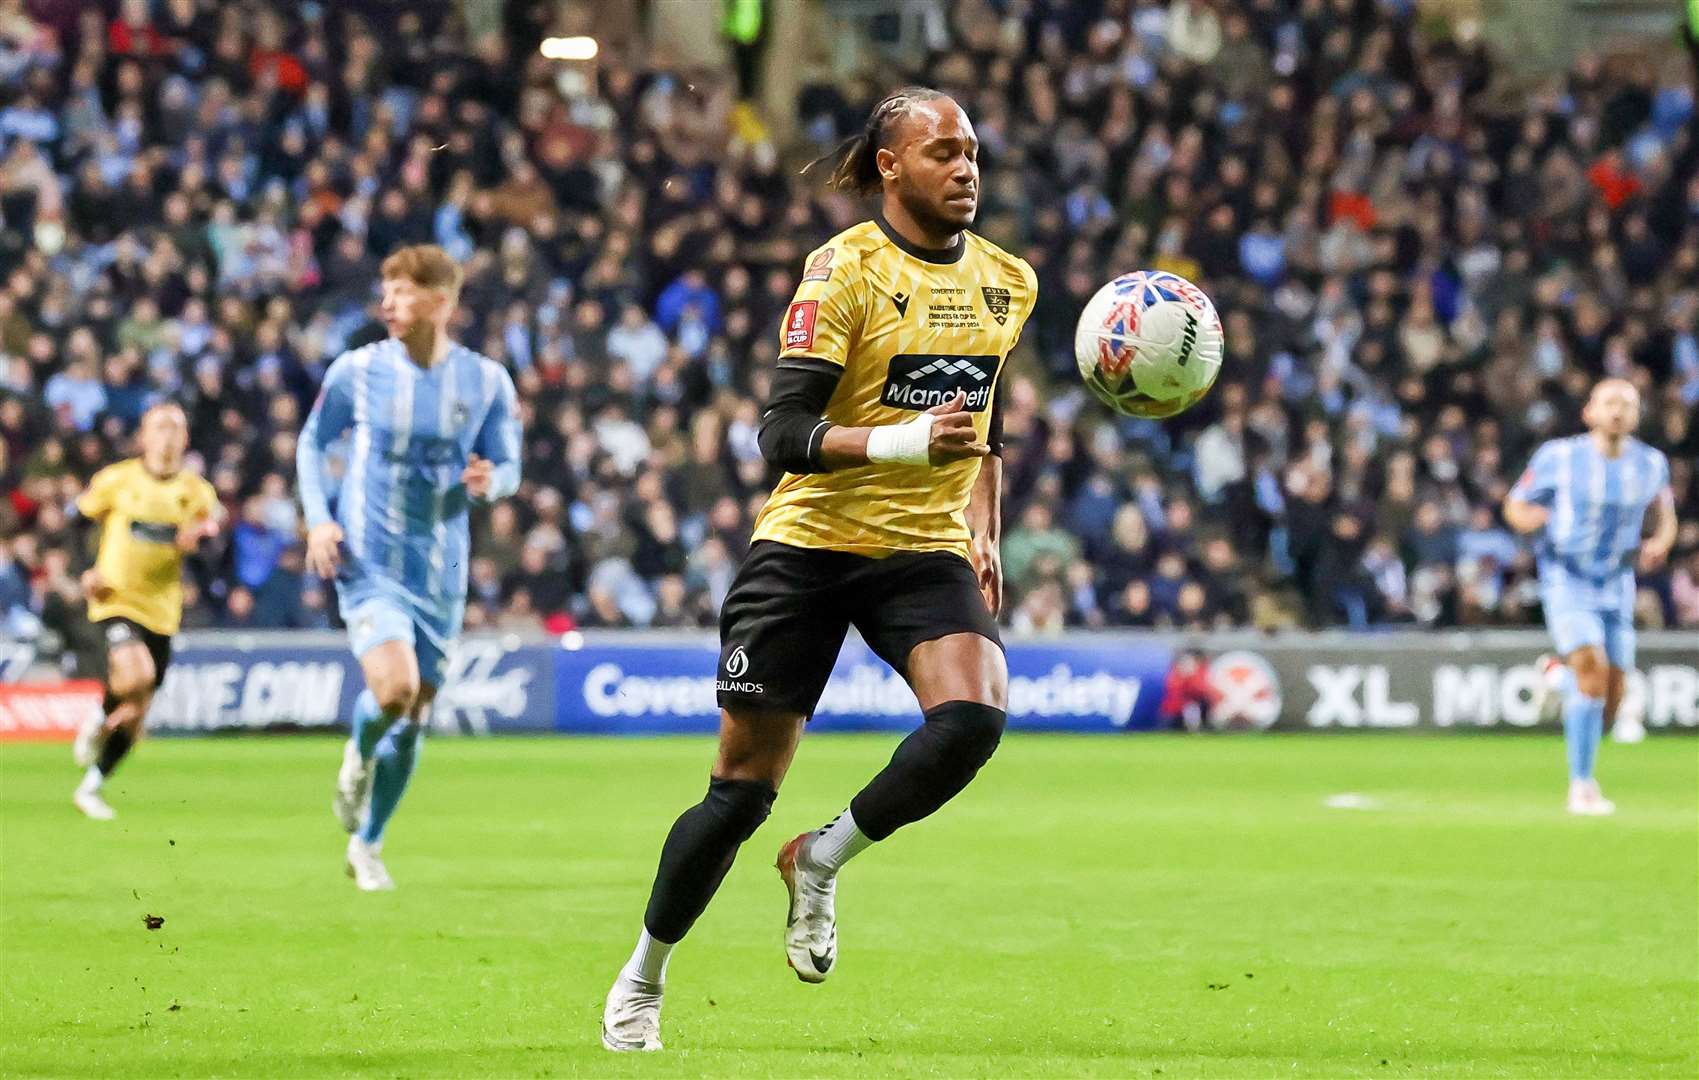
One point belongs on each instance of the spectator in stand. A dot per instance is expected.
(1420, 268)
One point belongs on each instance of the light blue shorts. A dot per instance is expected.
(375, 614)
(1574, 628)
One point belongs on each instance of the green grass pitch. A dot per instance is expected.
(1130, 906)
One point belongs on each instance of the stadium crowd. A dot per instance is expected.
(1422, 261)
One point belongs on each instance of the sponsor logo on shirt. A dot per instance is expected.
(920, 381)
(154, 532)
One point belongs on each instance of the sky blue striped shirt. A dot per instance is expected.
(1598, 509)
(411, 430)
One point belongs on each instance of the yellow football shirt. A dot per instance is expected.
(139, 515)
(909, 328)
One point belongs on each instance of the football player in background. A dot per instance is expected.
(1585, 499)
(151, 512)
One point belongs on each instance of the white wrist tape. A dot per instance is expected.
(906, 443)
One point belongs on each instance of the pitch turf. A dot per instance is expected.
(1127, 907)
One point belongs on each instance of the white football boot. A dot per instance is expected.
(1628, 729)
(365, 865)
(86, 750)
(1548, 688)
(1586, 800)
(631, 1019)
(88, 800)
(353, 787)
(811, 923)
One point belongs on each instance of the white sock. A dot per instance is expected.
(835, 843)
(92, 780)
(648, 961)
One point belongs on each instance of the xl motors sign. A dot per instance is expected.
(1482, 686)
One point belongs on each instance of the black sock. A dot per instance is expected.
(929, 768)
(699, 850)
(112, 751)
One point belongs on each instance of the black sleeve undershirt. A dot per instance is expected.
(791, 428)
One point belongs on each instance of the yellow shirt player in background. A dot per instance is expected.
(883, 416)
(151, 513)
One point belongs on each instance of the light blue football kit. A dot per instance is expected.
(1597, 509)
(402, 506)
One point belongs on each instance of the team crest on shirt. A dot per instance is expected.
(461, 413)
(997, 302)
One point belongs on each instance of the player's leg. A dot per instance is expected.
(392, 767)
(1580, 638)
(1625, 726)
(756, 749)
(1584, 709)
(393, 764)
(394, 759)
(381, 634)
(780, 631)
(135, 665)
(962, 684)
(927, 618)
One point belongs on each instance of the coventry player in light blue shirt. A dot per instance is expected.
(1586, 499)
(431, 427)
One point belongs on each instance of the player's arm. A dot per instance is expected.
(1656, 547)
(797, 440)
(96, 500)
(204, 524)
(492, 472)
(985, 504)
(985, 513)
(1526, 507)
(1524, 516)
(89, 510)
(331, 415)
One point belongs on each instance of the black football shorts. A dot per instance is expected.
(121, 631)
(788, 610)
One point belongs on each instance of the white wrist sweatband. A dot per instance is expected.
(907, 443)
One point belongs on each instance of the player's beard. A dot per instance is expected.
(928, 218)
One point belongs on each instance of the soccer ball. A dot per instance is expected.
(1149, 344)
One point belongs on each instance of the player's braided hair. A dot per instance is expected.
(855, 166)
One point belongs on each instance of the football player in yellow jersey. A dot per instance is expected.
(151, 513)
(884, 419)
